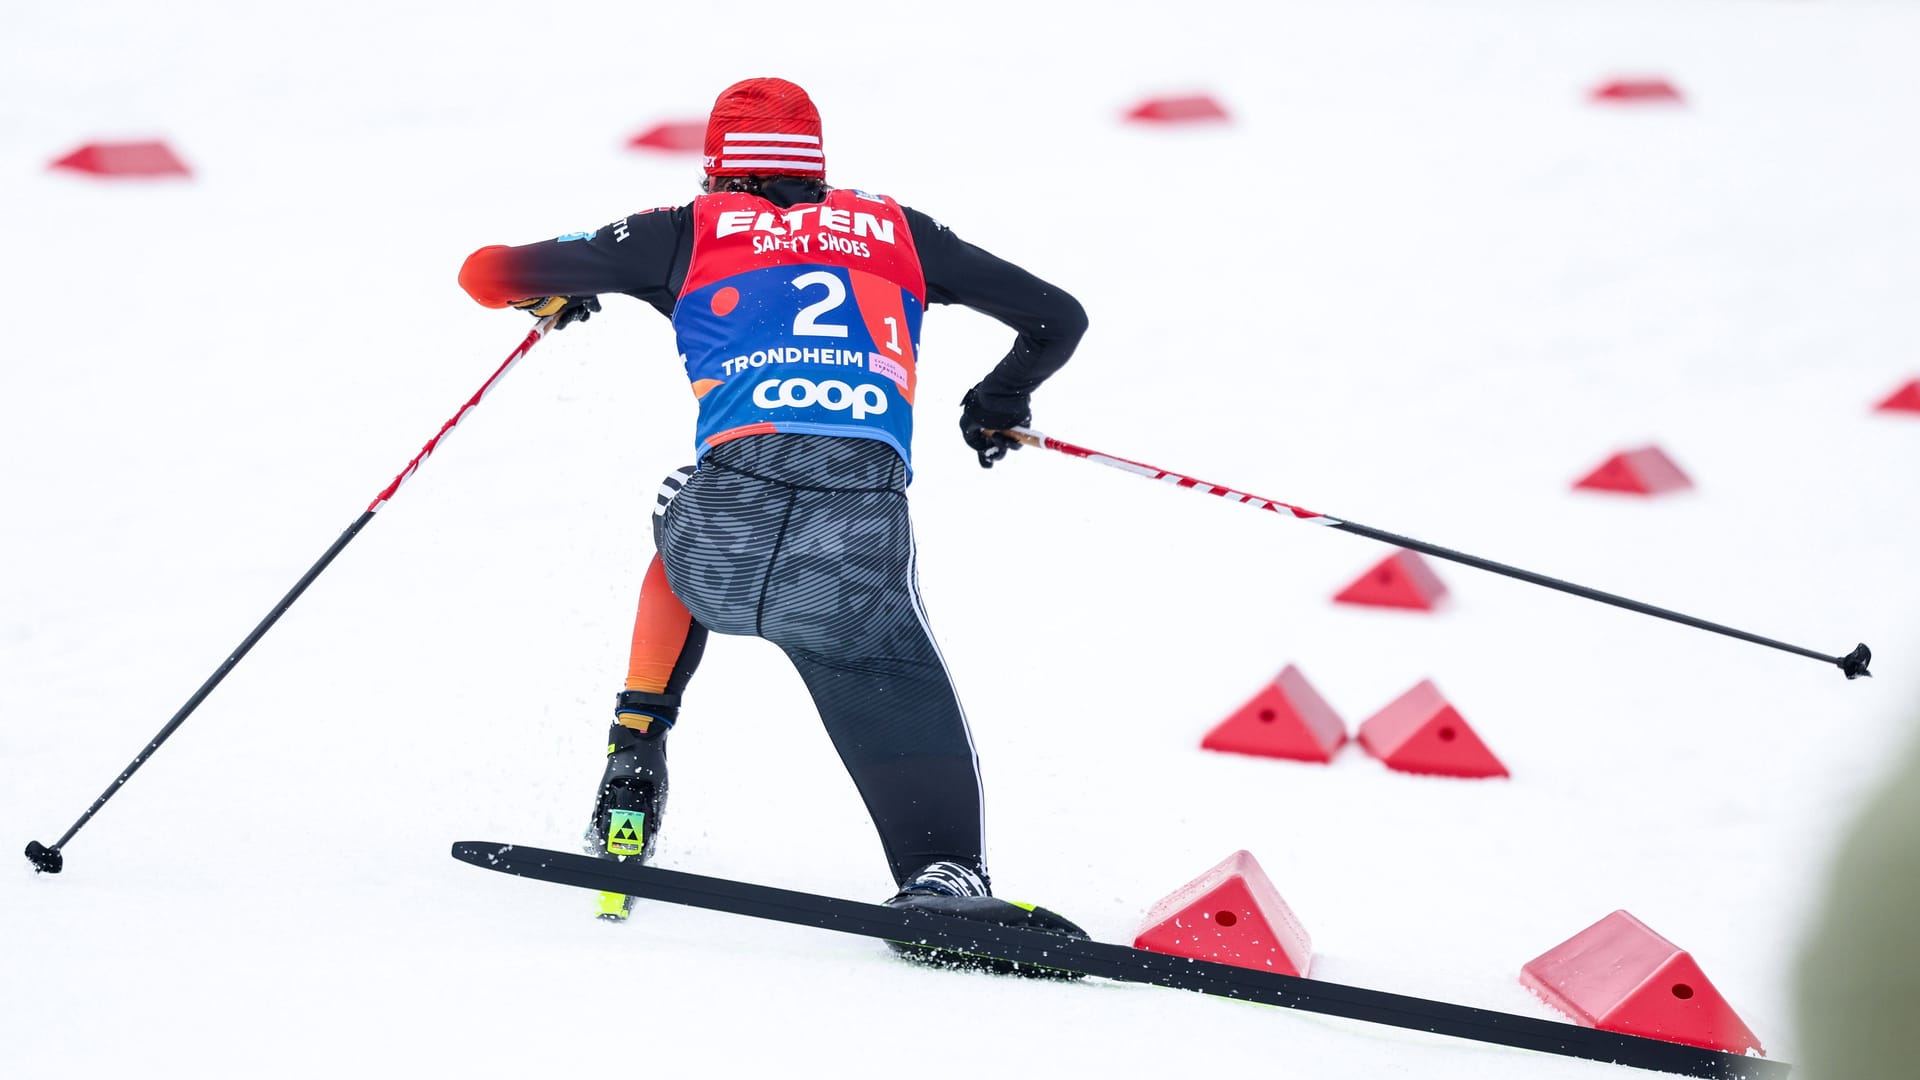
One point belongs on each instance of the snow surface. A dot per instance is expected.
(1418, 282)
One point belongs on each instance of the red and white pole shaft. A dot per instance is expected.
(1853, 664)
(533, 338)
(1155, 472)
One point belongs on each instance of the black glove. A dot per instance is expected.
(570, 309)
(984, 422)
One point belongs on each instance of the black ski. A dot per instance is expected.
(1118, 962)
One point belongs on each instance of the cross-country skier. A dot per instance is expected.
(797, 310)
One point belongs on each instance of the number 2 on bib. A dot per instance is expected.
(806, 324)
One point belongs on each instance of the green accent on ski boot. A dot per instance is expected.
(615, 906)
(1021, 906)
(626, 832)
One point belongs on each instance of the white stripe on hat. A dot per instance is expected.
(769, 163)
(784, 151)
(770, 136)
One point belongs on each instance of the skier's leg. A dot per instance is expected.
(897, 724)
(900, 733)
(667, 646)
(842, 600)
(805, 541)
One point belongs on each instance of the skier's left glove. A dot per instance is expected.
(984, 422)
(569, 309)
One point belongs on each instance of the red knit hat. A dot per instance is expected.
(764, 127)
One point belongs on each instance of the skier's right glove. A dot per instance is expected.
(984, 422)
(570, 309)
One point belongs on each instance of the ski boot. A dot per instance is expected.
(633, 793)
(950, 888)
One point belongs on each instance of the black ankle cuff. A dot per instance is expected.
(664, 708)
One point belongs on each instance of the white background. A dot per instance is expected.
(1418, 282)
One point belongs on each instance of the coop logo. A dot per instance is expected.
(865, 399)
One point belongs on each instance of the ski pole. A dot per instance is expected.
(47, 858)
(1854, 664)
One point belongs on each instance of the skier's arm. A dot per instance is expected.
(1047, 320)
(634, 255)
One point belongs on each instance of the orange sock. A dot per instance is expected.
(662, 627)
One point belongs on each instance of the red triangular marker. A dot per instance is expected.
(1641, 91)
(1905, 399)
(674, 137)
(1401, 580)
(1646, 471)
(1231, 914)
(1419, 732)
(1286, 719)
(1187, 109)
(1618, 975)
(138, 159)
